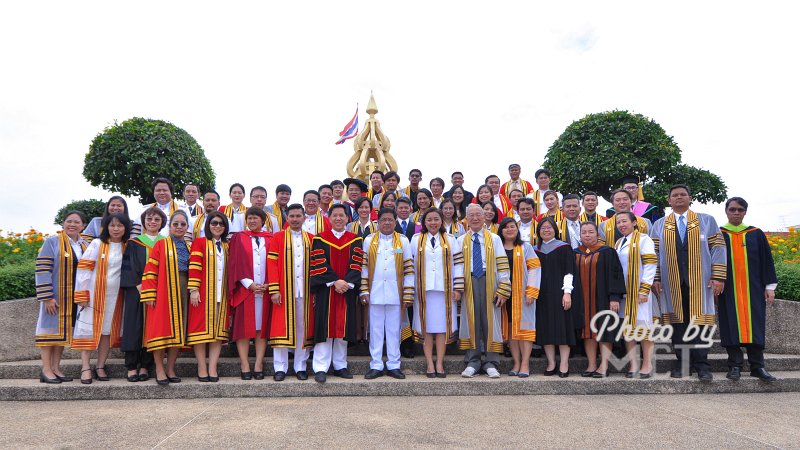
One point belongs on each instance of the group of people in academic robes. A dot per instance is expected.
(391, 266)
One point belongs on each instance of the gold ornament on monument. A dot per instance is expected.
(371, 148)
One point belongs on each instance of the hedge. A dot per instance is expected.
(788, 281)
(17, 281)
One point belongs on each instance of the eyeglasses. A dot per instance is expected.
(217, 223)
(179, 224)
(386, 219)
(631, 188)
(734, 209)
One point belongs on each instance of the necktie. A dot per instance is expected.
(258, 242)
(219, 246)
(433, 242)
(477, 258)
(403, 225)
(624, 240)
(682, 227)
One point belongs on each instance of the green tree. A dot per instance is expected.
(90, 208)
(126, 157)
(594, 153)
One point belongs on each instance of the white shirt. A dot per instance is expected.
(310, 224)
(574, 228)
(434, 264)
(76, 247)
(299, 263)
(498, 202)
(384, 289)
(259, 265)
(220, 255)
(469, 236)
(525, 231)
(407, 221)
(339, 235)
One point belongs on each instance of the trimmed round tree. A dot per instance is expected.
(597, 151)
(126, 157)
(90, 208)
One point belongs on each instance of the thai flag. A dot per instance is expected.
(350, 130)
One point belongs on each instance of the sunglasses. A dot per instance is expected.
(217, 223)
(735, 209)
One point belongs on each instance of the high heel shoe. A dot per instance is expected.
(247, 375)
(164, 382)
(550, 373)
(43, 379)
(133, 378)
(644, 376)
(97, 374)
(84, 380)
(563, 374)
(597, 374)
(63, 378)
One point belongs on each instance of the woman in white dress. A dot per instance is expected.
(97, 293)
(637, 254)
(439, 272)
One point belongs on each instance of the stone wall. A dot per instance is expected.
(18, 323)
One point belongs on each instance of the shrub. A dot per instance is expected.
(17, 280)
(788, 280)
(16, 248)
(126, 157)
(91, 208)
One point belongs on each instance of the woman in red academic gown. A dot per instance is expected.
(247, 277)
(208, 296)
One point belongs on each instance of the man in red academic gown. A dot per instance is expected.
(291, 312)
(336, 258)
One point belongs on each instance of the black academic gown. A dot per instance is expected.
(598, 281)
(554, 325)
(133, 262)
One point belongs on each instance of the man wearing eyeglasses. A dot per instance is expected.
(639, 207)
(414, 177)
(258, 199)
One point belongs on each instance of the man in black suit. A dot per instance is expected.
(405, 226)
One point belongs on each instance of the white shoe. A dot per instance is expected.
(469, 372)
(491, 372)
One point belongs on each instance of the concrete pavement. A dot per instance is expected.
(600, 421)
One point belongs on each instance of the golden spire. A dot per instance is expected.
(371, 148)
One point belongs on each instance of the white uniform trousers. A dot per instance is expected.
(384, 321)
(331, 349)
(280, 356)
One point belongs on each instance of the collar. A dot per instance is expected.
(386, 236)
(735, 228)
(547, 242)
(338, 234)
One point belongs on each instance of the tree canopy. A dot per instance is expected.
(126, 157)
(597, 151)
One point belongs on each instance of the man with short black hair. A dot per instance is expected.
(191, 192)
(639, 207)
(355, 190)
(608, 233)
(692, 267)
(516, 182)
(526, 225)
(437, 190)
(258, 199)
(569, 227)
(376, 184)
(502, 202)
(590, 213)
(315, 222)
(338, 192)
(457, 178)
(543, 182)
(162, 193)
(414, 178)
(283, 193)
(390, 182)
(387, 285)
(198, 223)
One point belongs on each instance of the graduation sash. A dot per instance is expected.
(611, 227)
(696, 285)
(401, 267)
(205, 324)
(100, 267)
(355, 227)
(519, 292)
(276, 209)
(598, 219)
(633, 284)
(229, 211)
(45, 291)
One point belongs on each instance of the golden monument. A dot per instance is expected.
(371, 148)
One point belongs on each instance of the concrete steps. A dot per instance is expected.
(413, 385)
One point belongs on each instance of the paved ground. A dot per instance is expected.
(624, 421)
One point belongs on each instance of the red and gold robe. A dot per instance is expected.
(280, 278)
(335, 259)
(161, 283)
(208, 321)
(243, 300)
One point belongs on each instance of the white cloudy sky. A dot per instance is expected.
(265, 87)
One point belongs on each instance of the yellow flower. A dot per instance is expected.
(16, 250)
(780, 252)
(794, 250)
(29, 241)
(791, 229)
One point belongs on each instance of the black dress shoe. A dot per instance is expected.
(630, 374)
(550, 373)
(247, 375)
(430, 374)
(205, 379)
(587, 374)
(734, 373)
(676, 373)
(133, 378)
(279, 376)
(644, 376)
(63, 378)
(258, 375)
(396, 373)
(343, 373)
(164, 382)
(302, 375)
(85, 380)
(213, 379)
(320, 377)
(563, 374)
(97, 374)
(599, 375)
(373, 373)
(43, 379)
(144, 376)
(762, 375)
(704, 375)
(441, 375)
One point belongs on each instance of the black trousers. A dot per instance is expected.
(139, 359)
(698, 357)
(755, 356)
